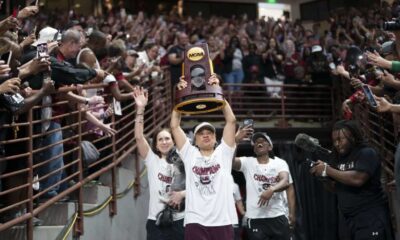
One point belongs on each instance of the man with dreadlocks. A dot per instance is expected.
(355, 177)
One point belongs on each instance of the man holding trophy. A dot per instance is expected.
(210, 208)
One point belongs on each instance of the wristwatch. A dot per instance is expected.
(323, 174)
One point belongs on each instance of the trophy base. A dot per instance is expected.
(200, 105)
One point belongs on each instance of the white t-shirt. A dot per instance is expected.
(160, 174)
(258, 178)
(209, 187)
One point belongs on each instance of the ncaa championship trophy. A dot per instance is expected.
(198, 97)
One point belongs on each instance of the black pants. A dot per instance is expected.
(175, 232)
(268, 228)
(373, 224)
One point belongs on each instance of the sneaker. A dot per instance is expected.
(37, 222)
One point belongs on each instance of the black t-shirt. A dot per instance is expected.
(176, 69)
(353, 200)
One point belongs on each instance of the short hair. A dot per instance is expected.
(71, 36)
(117, 48)
(97, 36)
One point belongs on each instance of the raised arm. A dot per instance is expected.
(141, 98)
(230, 125)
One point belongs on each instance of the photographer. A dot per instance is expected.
(355, 178)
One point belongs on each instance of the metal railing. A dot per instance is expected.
(26, 155)
(313, 103)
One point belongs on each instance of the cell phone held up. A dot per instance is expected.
(248, 123)
(42, 51)
(6, 57)
(369, 96)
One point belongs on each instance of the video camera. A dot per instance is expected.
(392, 25)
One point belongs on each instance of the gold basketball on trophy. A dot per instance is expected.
(198, 97)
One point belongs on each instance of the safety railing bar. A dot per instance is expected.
(58, 170)
(44, 191)
(101, 160)
(13, 206)
(13, 189)
(14, 157)
(37, 165)
(10, 174)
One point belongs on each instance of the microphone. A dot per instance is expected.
(310, 144)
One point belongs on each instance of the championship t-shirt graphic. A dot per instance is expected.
(205, 170)
(165, 178)
(265, 178)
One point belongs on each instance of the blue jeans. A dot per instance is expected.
(55, 164)
(236, 76)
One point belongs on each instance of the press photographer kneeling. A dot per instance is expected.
(355, 178)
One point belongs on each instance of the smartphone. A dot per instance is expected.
(6, 57)
(370, 97)
(42, 50)
(248, 122)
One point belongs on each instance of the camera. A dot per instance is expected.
(392, 25)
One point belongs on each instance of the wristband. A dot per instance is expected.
(323, 174)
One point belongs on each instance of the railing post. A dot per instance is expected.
(113, 202)
(79, 226)
(282, 123)
(29, 229)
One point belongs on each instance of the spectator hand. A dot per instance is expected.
(48, 87)
(10, 86)
(106, 128)
(346, 106)
(28, 40)
(9, 23)
(375, 59)
(387, 78)
(141, 97)
(27, 12)
(96, 100)
(109, 112)
(4, 69)
(383, 104)
(356, 83)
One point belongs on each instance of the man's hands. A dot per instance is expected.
(10, 86)
(318, 168)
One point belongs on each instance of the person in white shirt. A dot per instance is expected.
(210, 208)
(266, 179)
(160, 176)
